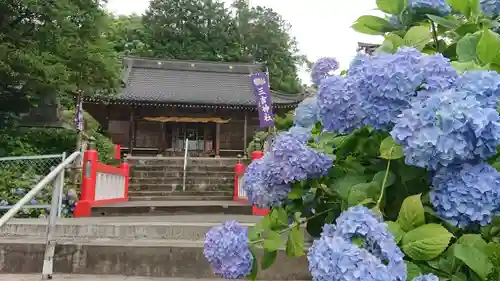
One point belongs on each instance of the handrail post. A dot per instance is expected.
(60, 177)
(186, 146)
(50, 247)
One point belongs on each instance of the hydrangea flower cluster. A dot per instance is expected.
(260, 190)
(440, 7)
(226, 249)
(448, 128)
(323, 68)
(338, 105)
(267, 181)
(306, 113)
(388, 83)
(466, 195)
(484, 85)
(334, 257)
(294, 161)
(490, 8)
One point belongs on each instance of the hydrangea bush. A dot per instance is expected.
(392, 166)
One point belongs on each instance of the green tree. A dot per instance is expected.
(266, 38)
(191, 30)
(128, 35)
(207, 30)
(53, 48)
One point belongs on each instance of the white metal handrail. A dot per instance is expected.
(57, 177)
(186, 147)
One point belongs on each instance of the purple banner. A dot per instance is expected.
(260, 86)
(79, 114)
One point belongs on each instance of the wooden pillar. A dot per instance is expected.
(205, 137)
(217, 140)
(105, 126)
(163, 138)
(131, 131)
(245, 126)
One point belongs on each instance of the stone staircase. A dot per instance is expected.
(151, 246)
(206, 178)
(156, 188)
(159, 233)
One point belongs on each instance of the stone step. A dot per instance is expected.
(152, 258)
(178, 187)
(179, 169)
(180, 198)
(179, 161)
(178, 227)
(189, 180)
(172, 207)
(180, 174)
(182, 193)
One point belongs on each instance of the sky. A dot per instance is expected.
(321, 27)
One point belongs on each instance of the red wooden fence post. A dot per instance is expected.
(257, 211)
(126, 169)
(239, 170)
(87, 192)
(118, 151)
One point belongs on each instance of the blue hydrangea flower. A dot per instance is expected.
(356, 67)
(293, 160)
(333, 258)
(306, 113)
(386, 84)
(490, 8)
(484, 84)
(226, 249)
(300, 133)
(447, 128)
(323, 68)
(426, 277)
(466, 195)
(261, 191)
(439, 7)
(359, 221)
(338, 105)
(438, 73)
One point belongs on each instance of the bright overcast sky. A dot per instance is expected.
(322, 27)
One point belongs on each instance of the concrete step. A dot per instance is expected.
(152, 258)
(178, 187)
(208, 179)
(172, 207)
(178, 227)
(179, 161)
(146, 170)
(182, 193)
(180, 174)
(180, 198)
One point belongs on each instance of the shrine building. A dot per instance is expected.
(165, 103)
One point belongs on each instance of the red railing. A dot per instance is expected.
(239, 192)
(101, 184)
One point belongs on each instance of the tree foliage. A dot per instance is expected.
(53, 48)
(208, 30)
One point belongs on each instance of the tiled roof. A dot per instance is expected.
(148, 80)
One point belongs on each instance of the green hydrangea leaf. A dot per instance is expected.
(426, 242)
(295, 243)
(412, 213)
(390, 150)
